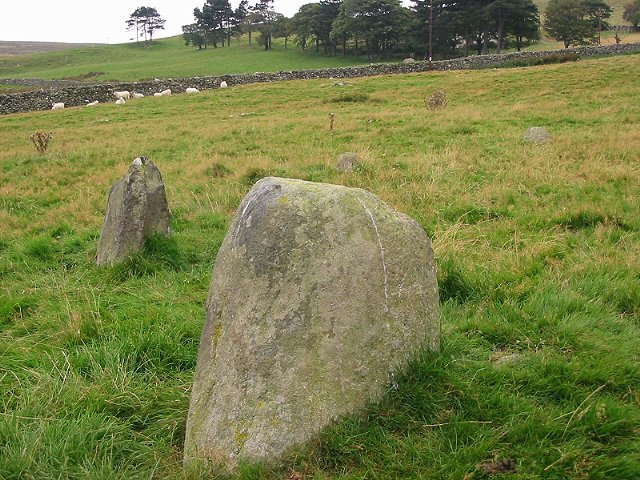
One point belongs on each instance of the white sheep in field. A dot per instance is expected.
(192, 90)
(123, 94)
(120, 101)
(166, 92)
(223, 84)
(157, 94)
(57, 106)
(91, 104)
(137, 95)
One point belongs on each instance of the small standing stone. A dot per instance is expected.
(347, 162)
(137, 208)
(537, 135)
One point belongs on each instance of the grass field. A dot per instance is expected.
(537, 246)
(167, 57)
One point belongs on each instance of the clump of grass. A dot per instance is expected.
(14, 307)
(436, 101)
(351, 97)
(255, 174)
(534, 61)
(159, 252)
(218, 170)
(453, 283)
(581, 220)
(41, 141)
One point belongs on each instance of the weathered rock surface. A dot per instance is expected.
(137, 208)
(347, 162)
(537, 135)
(319, 294)
(409, 60)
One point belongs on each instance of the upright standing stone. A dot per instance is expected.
(137, 208)
(320, 294)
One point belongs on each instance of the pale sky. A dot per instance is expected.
(93, 21)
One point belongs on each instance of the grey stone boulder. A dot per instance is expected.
(537, 135)
(409, 60)
(320, 294)
(137, 208)
(347, 162)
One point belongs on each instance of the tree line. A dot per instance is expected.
(385, 28)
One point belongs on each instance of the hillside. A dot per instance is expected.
(537, 249)
(23, 48)
(616, 5)
(167, 57)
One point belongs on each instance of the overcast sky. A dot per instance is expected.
(98, 21)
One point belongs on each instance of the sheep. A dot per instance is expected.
(192, 90)
(223, 84)
(91, 104)
(57, 106)
(157, 94)
(120, 101)
(137, 95)
(166, 92)
(122, 94)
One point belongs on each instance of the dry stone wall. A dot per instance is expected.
(76, 95)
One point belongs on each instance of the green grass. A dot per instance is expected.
(538, 253)
(163, 58)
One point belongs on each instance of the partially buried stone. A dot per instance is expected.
(537, 135)
(409, 60)
(347, 162)
(320, 294)
(137, 208)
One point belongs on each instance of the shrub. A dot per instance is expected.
(437, 100)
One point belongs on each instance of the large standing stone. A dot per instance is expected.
(137, 208)
(320, 293)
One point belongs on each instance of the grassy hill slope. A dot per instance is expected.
(616, 5)
(167, 57)
(537, 246)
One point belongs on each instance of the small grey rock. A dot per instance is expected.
(137, 207)
(537, 135)
(409, 60)
(347, 162)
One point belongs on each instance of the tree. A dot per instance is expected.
(239, 17)
(380, 22)
(527, 29)
(282, 28)
(192, 35)
(568, 21)
(597, 11)
(266, 13)
(146, 21)
(217, 15)
(632, 13)
(518, 17)
(305, 23)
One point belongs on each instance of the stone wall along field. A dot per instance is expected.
(75, 95)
